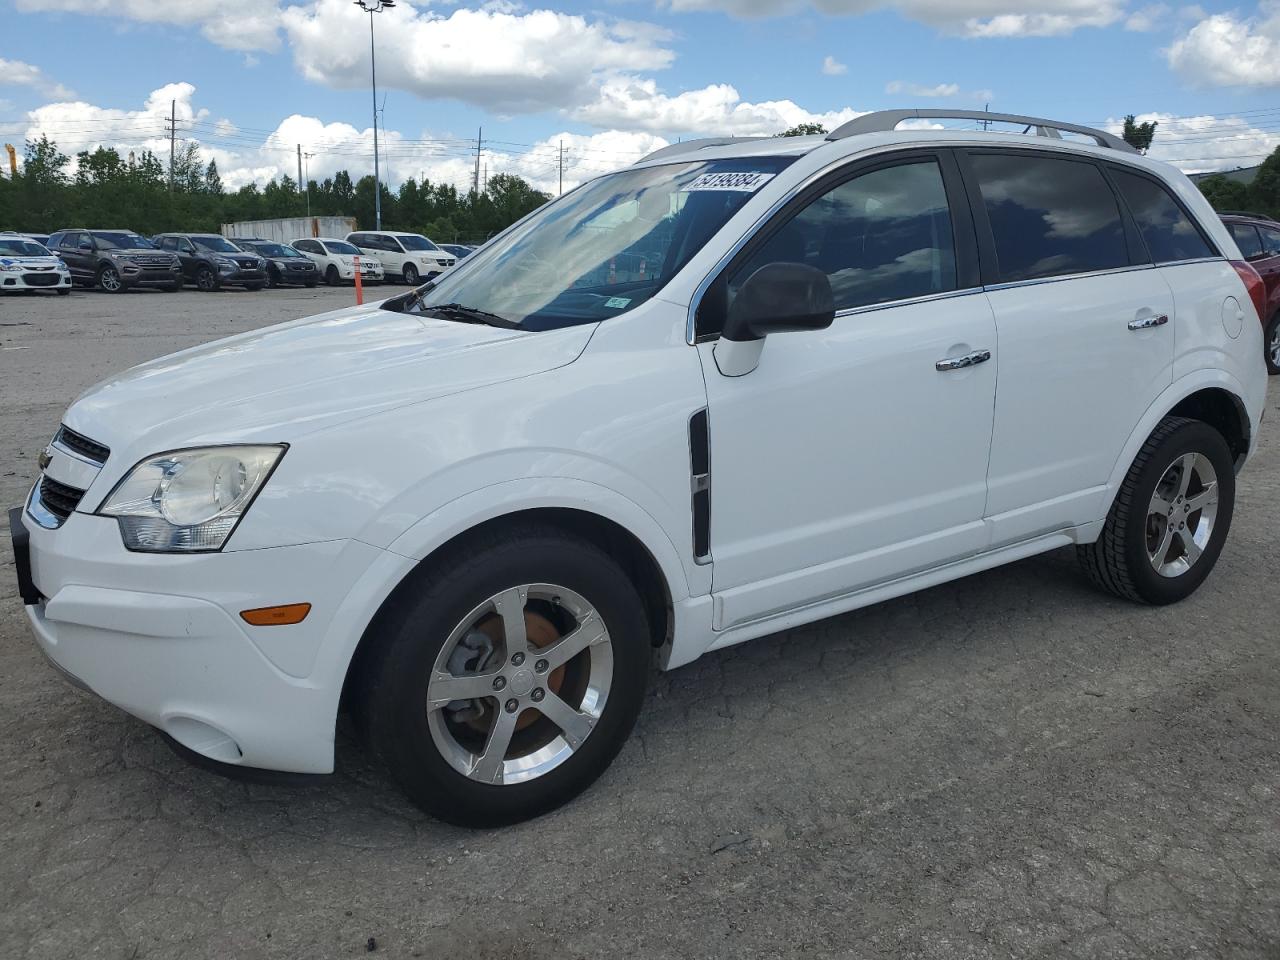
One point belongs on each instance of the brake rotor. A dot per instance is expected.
(540, 633)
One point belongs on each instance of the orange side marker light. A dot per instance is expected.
(276, 616)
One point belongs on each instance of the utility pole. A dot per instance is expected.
(561, 167)
(308, 176)
(371, 7)
(986, 123)
(479, 142)
(299, 166)
(173, 132)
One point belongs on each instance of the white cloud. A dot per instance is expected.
(833, 67)
(1226, 50)
(636, 103)
(236, 24)
(1148, 18)
(15, 73)
(920, 90)
(501, 61)
(1196, 144)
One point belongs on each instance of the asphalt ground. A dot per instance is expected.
(1011, 765)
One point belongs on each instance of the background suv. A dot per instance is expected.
(335, 259)
(1258, 237)
(285, 265)
(409, 256)
(211, 261)
(115, 260)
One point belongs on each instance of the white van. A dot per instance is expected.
(408, 256)
(739, 386)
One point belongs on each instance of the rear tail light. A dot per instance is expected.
(1253, 283)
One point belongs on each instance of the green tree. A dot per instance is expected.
(803, 130)
(1224, 194)
(212, 182)
(1139, 135)
(1264, 191)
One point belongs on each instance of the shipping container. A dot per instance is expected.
(291, 228)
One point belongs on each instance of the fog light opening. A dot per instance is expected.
(204, 739)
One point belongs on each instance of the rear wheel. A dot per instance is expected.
(1272, 341)
(109, 279)
(506, 677)
(410, 274)
(1170, 519)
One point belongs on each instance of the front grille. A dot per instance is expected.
(153, 261)
(58, 498)
(79, 443)
(41, 279)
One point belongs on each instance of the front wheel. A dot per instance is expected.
(410, 274)
(331, 276)
(505, 678)
(207, 280)
(1168, 523)
(109, 279)
(1272, 339)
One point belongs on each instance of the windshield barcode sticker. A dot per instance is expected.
(745, 182)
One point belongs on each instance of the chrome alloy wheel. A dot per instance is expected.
(520, 684)
(1181, 516)
(110, 280)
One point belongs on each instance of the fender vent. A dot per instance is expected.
(700, 484)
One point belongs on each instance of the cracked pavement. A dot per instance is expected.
(1012, 765)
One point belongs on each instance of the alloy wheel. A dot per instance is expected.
(520, 684)
(1181, 515)
(110, 280)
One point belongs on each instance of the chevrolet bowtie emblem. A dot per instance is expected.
(43, 460)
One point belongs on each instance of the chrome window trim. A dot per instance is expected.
(909, 301)
(1132, 268)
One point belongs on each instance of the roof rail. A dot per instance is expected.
(883, 121)
(1246, 213)
(674, 148)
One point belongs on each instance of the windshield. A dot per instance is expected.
(415, 242)
(22, 248)
(608, 246)
(275, 250)
(341, 246)
(216, 244)
(119, 240)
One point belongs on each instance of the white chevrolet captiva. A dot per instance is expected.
(739, 386)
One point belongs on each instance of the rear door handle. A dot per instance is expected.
(1146, 323)
(968, 360)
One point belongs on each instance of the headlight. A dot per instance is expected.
(10, 268)
(225, 262)
(189, 500)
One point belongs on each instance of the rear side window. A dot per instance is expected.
(1270, 241)
(1246, 238)
(1168, 231)
(1049, 217)
(883, 236)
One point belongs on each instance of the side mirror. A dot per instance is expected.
(777, 298)
(86, 245)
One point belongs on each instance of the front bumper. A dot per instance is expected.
(160, 636)
(132, 275)
(11, 282)
(239, 276)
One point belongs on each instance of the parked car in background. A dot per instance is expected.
(116, 260)
(871, 362)
(409, 257)
(335, 259)
(285, 265)
(459, 250)
(1258, 237)
(211, 261)
(28, 265)
(40, 238)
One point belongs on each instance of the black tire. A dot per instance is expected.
(64, 291)
(410, 632)
(331, 276)
(410, 275)
(1271, 344)
(273, 278)
(109, 279)
(206, 280)
(1118, 561)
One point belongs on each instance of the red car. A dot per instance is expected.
(1258, 238)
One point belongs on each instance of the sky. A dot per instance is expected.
(613, 80)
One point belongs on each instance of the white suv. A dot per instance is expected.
(409, 256)
(336, 260)
(739, 386)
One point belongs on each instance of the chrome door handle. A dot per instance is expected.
(1146, 323)
(968, 360)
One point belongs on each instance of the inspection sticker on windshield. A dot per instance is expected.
(744, 182)
(617, 303)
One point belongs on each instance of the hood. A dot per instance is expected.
(280, 383)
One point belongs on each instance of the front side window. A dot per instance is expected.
(1169, 233)
(1049, 217)
(883, 236)
(606, 247)
(1246, 238)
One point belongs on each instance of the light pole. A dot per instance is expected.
(306, 160)
(371, 7)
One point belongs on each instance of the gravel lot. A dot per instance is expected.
(1008, 766)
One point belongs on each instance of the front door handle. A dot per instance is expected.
(968, 360)
(1146, 323)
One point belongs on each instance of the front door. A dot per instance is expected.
(858, 454)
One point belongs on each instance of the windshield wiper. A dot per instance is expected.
(465, 314)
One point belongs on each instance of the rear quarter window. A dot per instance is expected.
(1049, 217)
(1170, 234)
(1246, 238)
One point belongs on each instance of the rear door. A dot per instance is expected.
(1083, 321)
(79, 261)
